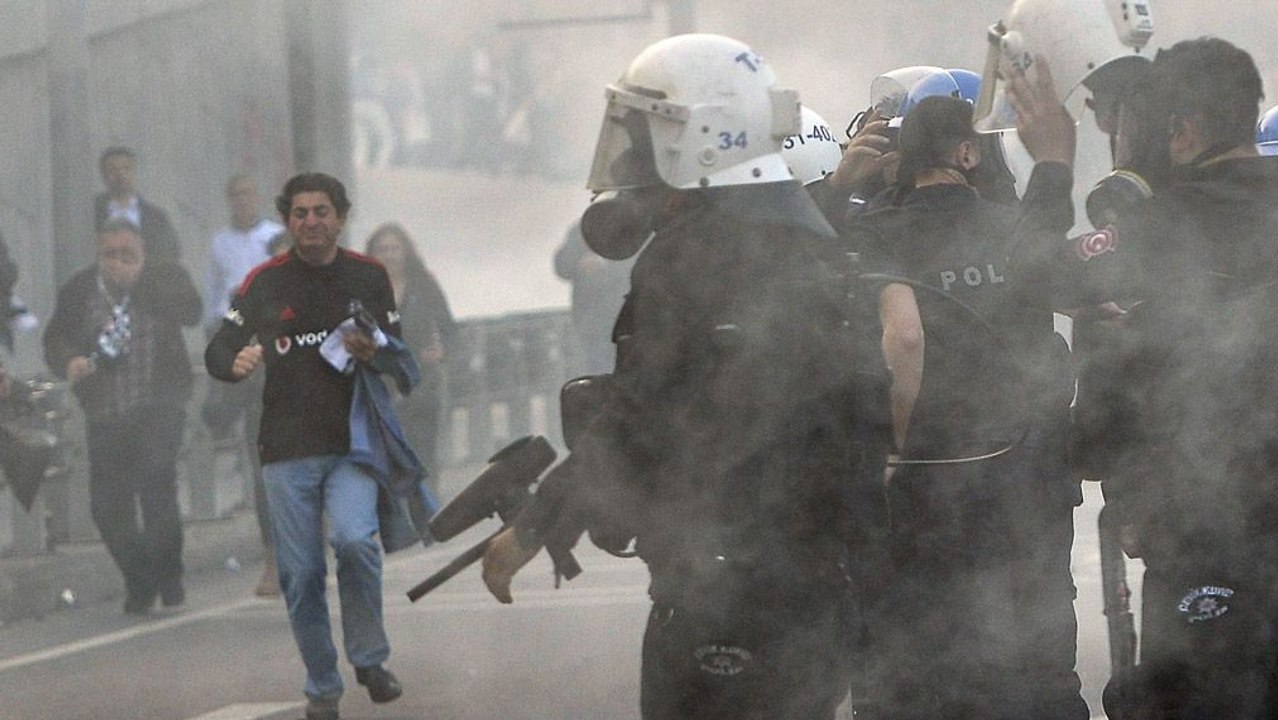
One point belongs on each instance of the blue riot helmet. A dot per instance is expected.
(992, 178)
(955, 82)
(969, 84)
(1267, 132)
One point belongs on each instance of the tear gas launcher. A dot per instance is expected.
(502, 489)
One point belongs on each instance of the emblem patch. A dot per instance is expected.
(234, 316)
(283, 344)
(1097, 243)
(1205, 603)
(723, 660)
(288, 314)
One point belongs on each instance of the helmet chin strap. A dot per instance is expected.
(1211, 153)
(1206, 157)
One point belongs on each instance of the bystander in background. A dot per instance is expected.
(599, 288)
(233, 411)
(429, 329)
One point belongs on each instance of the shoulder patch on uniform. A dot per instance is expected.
(723, 660)
(1205, 603)
(1097, 243)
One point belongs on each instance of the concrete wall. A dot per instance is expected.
(201, 90)
(198, 87)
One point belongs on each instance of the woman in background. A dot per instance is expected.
(429, 329)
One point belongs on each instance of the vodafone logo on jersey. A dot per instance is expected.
(284, 343)
(310, 339)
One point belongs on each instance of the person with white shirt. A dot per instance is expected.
(234, 251)
(236, 248)
(118, 166)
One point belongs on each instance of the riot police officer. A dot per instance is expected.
(1196, 461)
(981, 613)
(814, 152)
(732, 449)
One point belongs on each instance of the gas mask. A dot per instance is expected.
(1142, 158)
(619, 222)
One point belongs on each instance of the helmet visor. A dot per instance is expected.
(993, 113)
(889, 90)
(625, 157)
(1008, 54)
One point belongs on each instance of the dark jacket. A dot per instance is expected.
(731, 429)
(159, 238)
(426, 319)
(164, 292)
(1195, 451)
(991, 363)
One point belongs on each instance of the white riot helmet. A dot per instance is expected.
(1086, 42)
(694, 111)
(813, 152)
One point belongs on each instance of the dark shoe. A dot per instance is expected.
(138, 603)
(382, 685)
(321, 709)
(173, 594)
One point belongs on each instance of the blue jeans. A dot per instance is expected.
(299, 492)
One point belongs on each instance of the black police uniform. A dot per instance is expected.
(736, 451)
(980, 621)
(1193, 464)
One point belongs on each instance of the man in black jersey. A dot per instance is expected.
(290, 304)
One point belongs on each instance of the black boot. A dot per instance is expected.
(382, 685)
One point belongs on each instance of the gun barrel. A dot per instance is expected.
(461, 562)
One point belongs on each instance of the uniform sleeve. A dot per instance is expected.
(1116, 262)
(1048, 205)
(237, 329)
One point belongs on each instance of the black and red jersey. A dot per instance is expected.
(290, 307)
